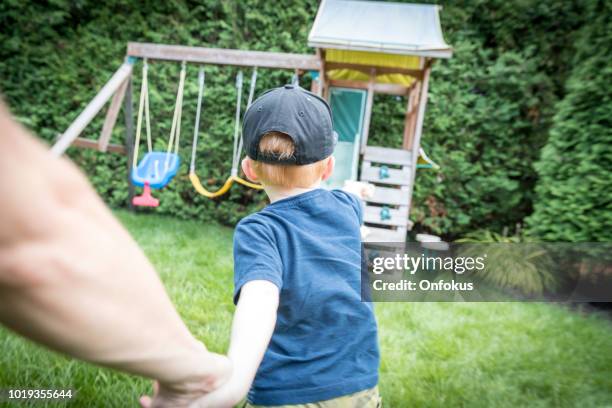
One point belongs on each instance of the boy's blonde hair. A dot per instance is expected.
(285, 175)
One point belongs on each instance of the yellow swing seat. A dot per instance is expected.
(233, 178)
(195, 181)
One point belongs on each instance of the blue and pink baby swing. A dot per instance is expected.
(156, 169)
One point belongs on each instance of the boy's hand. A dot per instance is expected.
(184, 394)
(226, 396)
(359, 188)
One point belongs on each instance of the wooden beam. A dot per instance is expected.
(348, 83)
(390, 89)
(371, 215)
(129, 140)
(411, 114)
(217, 56)
(93, 144)
(92, 109)
(419, 125)
(397, 177)
(111, 117)
(387, 155)
(422, 104)
(407, 137)
(414, 110)
(390, 196)
(323, 75)
(368, 111)
(415, 73)
(316, 85)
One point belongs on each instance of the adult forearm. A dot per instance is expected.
(102, 303)
(72, 278)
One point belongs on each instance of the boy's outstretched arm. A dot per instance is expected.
(254, 322)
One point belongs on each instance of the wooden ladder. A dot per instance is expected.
(386, 213)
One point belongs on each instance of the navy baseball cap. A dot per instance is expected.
(305, 117)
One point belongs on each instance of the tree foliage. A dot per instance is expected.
(490, 108)
(573, 201)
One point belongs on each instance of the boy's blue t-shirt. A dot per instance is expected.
(325, 341)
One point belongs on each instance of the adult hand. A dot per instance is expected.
(185, 393)
(226, 396)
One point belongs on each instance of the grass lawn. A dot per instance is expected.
(433, 354)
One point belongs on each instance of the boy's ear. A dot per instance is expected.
(329, 168)
(247, 167)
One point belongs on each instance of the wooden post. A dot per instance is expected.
(315, 85)
(421, 112)
(419, 126)
(323, 82)
(92, 109)
(407, 131)
(411, 114)
(111, 117)
(368, 111)
(129, 138)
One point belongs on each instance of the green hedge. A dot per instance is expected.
(575, 169)
(489, 110)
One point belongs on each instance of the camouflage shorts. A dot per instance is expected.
(362, 399)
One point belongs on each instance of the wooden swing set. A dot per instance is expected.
(156, 169)
(354, 60)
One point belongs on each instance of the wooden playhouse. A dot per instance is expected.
(377, 47)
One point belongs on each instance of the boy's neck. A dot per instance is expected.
(276, 193)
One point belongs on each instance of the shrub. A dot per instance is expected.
(512, 263)
(573, 193)
(489, 110)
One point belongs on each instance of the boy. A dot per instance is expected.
(300, 328)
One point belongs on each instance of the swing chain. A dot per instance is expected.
(175, 131)
(249, 102)
(238, 142)
(236, 156)
(252, 87)
(239, 78)
(196, 129)
(143, 108)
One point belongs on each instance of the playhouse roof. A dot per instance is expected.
(387, 27)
